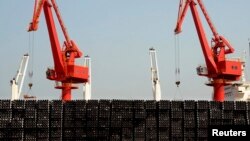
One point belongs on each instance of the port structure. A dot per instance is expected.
(17, 81)
(65, 71)
(239, 90)
(220, 70)
(155, 75)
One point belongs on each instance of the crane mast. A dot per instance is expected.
(155, 75)
(87, 85)
(218, 68)
(17, 82)
(65, 70)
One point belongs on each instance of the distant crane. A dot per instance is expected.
(87, 85)
(17, 81)
(220, 70)
(65, 72)
(155, 75)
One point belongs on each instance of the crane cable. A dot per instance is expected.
(177, 61)
(249, 46)
(31, 52)
(177, 69)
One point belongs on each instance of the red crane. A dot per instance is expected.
(65, 70)
(220, 70)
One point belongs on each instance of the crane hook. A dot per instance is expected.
(178, 83)
(30, 85)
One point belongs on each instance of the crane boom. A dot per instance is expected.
(65, 70)
(155, 75)
(36, 15)
(17, 82)
(220, 69)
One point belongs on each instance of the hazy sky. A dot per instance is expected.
(117, 35)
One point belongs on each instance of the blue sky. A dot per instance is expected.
(117, 35)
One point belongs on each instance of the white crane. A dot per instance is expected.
(87, 85)
(155, 75)
(17, 82)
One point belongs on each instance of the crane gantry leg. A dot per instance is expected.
(219, 91)
(66, 90)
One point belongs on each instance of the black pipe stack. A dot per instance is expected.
(43, 118)
(189, 120)
(151, 120)
(240, 113)
(117, 120)
(80, 120)
(92, 119)
(56, 118)
(164, 110)
(104, 119)
(30, 120)
(16, 124)
(139, 120)
(176, 120)
(228, 113)
(202, 120)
